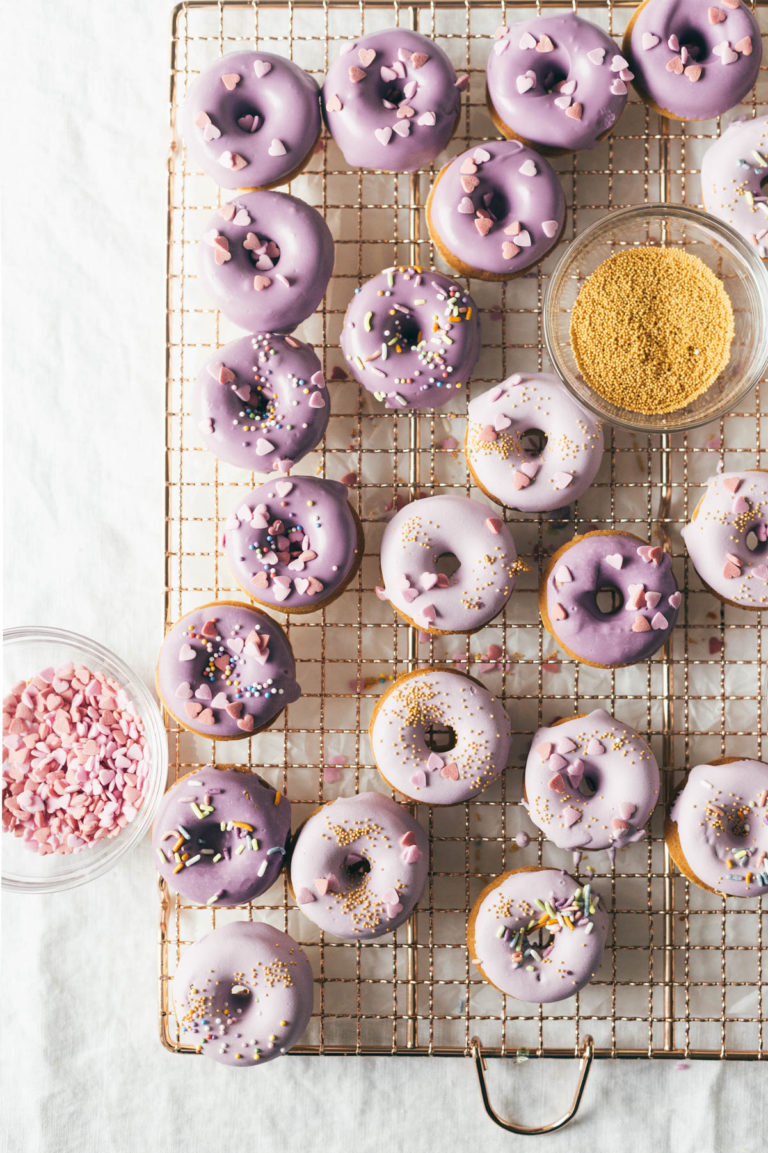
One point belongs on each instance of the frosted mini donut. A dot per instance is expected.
(505, 924)
(693, 60)
(226, 671)
(294, 543)
(495, 210)
(557, 83)
(261, 402)
(498, 454)
(727, 538)
(732, 171)
(411, 337)
(359, 865)
(252, 120)
(641, 579)
(391, 101)
(717, 828)
(243, 993)
(421, 701)
(220, 836)
(591, 782)
(424, 531)
(266, 259)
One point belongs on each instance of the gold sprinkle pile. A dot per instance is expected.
(651, 329)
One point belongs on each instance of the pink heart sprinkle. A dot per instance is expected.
(230, 80)
(450, 771)
(550, 228)
(566, 745)
(402, 128)
(649, 41)
(523, 238)
(530, 467)
(419, 59)
(261, 282)
(264, 447)
(316, 400)
(731, 570)
(333, 104)
(640, 625)
(509, 250)
(434, 762)
(595, 748)
(524, 84)
(744, 46)
(675, 600)
(203, 692)
(429, 613)
(557, 612)
(322, 884)
(556, 784)
(732, 483)
(405, 112)
(627, 810)
(675, 65)
(494, 525)
(192, 709)
(261, 68)
(418, 779)
(184, 691)
(570, 816)
(596, 56)
(427, 120)
(716, 15)
(383, 135)
(388, 74)
(615, 560)
(619, 826)
(356, 74)
(276, 148)
(411, 855)
(428, 580)
(576, 772)
(760, 572)
(260, 580)
(568, 88)
(502, 422)
(410, 595)
(563, 102)
(574, 112)
(545, 750)
(466, 207)
(408, 838)
(305, 896)
(563, 575)
(211, 132)
(366, 56)
(562, 480)
(526, 40)
(528, 168)
(693, 72)
(520, 480)
(186, 653)
(206, 718)
(741, 504)
(545, 44)
(659, 621)
(219, 701)
(619, 88)
(483, 225)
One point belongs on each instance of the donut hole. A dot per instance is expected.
(392, 92)
(447, 564)
(541, 939)
(440, 738)
(356, 868)
(403, 331)
(764, 183)
(550, 73)
(240, 992)
(692, 39)
(259, 406)
(533, 442)
(265, 255)
(608, 600)
(752, 539)
(246, 113)
(587, 786)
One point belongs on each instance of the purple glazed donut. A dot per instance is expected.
(498, 454)
(556, 82)
(252, 119)
(717, 830)
(267, 258)
(591, 782)
(411, 337)
(438, 526)
(261, 403)
(732, 174)
(220, 836)
(640, 576)
(727, 539)
(693, 60)
(495, 210)
(359, 865)
(391, 101)
(243, 993)
(421, 701)
(504, 927)
(294, 544)
(226, 671)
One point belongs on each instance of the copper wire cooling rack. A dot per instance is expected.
(683, 971)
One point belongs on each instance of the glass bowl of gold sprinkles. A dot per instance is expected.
(656, 318)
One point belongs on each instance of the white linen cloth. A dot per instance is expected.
(85, 131)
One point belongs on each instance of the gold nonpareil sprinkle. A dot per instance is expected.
(651, 329)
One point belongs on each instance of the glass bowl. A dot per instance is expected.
(667, 225)
(26, 651)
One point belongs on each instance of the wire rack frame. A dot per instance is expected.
(683, 972)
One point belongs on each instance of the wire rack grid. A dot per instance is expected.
(683, 971)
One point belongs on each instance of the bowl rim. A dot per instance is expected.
(155, 734)
(655, 209)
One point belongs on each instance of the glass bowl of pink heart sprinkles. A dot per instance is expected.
(85, 758)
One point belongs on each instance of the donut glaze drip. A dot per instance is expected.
(721, 819)
(438, 698)
(497, 449)
(691, 59)
(391, 101)
(642, 580)
(293, 542)
(411, 336)
(727, 538)
(504, 927)
(732, 174)
(220, 836)
(226, 670)
(359, 865)
(251, 119)
(591, 782)
(556, 81)
(243, 994)
(261, 402)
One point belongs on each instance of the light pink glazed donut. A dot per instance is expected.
(591, 782)
(727, 539)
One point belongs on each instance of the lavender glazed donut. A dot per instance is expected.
(717, 828)
(261, 403)
(421, 701)
(732, 174)
(495, 210)
(640, 575)
(411, 337)
(557, 83)
(266, 259)
(437, 526)
(504, 463)
(220, 836)
(294, 544)
(504, 927)
(243, 993)
(226, 671)
(391, 101)
(359, 865)
(727, 539)
(693, 60)
(591, 782)
(252, 120)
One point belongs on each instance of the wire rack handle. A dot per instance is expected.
(586, 1053)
